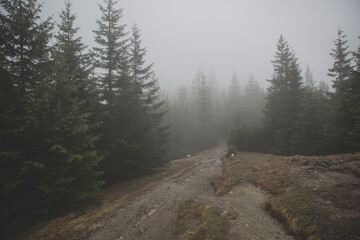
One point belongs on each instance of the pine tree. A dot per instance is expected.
(340, 123)
(234, 103)
(24, 62)
(341, 69)
(150, 136)
(309, 138)
(354, 104)
(111, 61)
(159, 135)
(205, 133)
(253, 103)
(111, 52)
(308, 77)
(140, 74)
(79, 63)
(70, 175)
(181, 127)
(284, 95)
(323, 87)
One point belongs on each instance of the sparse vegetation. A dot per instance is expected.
(196, 221)
(304, 195)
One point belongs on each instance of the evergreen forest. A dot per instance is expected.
(75, 119)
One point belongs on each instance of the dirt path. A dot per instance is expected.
(151, 215)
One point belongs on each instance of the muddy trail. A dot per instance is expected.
(151, 215)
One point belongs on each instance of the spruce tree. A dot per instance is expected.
(341, 68)
(253, 103)
(205, 132)
(354, 104)
(140, 75)
(234, 103)
(79, 63)
(111, 62)
(308, 77)
(70, 161)
(309, 138)
(183, 124)
(147, 132)
(24, 63)
(111, 50)
(284, 95)
(340, 123)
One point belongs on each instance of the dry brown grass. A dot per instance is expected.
(196, 221)
(331, 211)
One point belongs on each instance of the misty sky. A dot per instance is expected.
(223, 36)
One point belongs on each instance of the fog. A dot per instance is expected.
(227, 36)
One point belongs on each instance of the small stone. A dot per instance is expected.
(231, 192)
(224, 213)
(328, 202)
(152, 212)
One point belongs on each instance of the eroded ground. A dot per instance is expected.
(152, 215)
(314, 197)
(148, 208)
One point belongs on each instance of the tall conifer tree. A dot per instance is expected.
(204, 116)
(354, 104)
(70, 161)
(111, 60)
(340, 118)
(150, 135)
(111, 50)
(284, 95)
(24, 62)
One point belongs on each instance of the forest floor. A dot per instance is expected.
(208, 196)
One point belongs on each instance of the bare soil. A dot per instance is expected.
(152, 215)
(148, 208)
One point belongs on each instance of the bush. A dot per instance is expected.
(231, 150)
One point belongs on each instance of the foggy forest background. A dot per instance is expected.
(74, 119)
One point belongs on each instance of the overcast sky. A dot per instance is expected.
(223, 36)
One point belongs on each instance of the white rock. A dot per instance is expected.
(152, 212)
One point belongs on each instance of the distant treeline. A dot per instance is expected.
(300, 118)
(202, 114)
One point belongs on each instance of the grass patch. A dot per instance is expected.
(329, 211)
(196, 221)
(259, 171)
